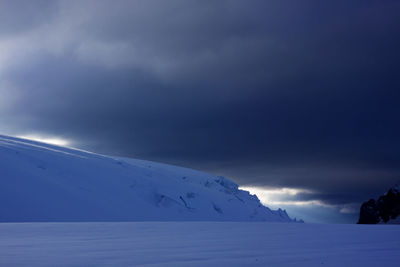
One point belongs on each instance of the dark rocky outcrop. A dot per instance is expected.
(386, 208)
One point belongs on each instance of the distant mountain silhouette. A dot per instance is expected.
(383, 210)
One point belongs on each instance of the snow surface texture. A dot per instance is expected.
(41, 182)
(198, 244)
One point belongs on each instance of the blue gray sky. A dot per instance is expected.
(299, 99)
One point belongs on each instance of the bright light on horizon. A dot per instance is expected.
(48, 140)
(285, 198)
(278, 196)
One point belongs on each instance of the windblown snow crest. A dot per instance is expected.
(42, 182)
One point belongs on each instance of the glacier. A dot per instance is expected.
(46, 183)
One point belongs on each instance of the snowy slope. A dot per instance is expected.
(41, 182)
(198, 244)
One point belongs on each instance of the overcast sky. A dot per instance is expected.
(274, 94)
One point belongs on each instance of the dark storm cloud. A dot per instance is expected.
(299, 94)
(335, 199)
(17, 17)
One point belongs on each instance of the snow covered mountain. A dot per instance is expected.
(42, 182)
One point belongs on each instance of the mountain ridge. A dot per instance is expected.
(42, 182)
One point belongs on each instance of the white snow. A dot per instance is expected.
(198, 244)
(42, 182)
(167, 213)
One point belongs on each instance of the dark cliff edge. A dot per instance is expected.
(383, 210)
